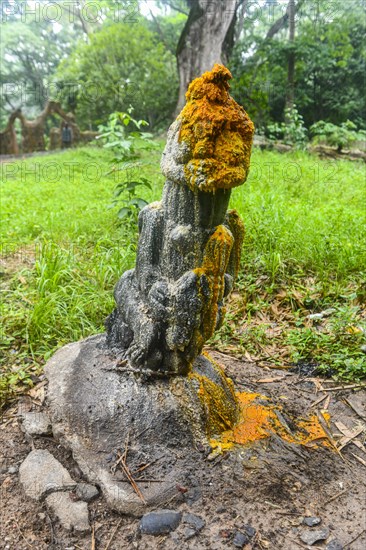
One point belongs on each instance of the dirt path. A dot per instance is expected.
(266, 487)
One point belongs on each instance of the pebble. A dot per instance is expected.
(311, 521)
(311, 537)
(189, 533)
(86, 491)
(249, 529)
(240, 539)
(13, 469)
(160, 522)
(195, 522)
(334, 545)
(41, 474)
(220, 510)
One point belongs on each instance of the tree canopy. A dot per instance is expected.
(140, 54)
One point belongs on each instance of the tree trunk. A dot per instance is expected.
(290, 93)
(8, 138)
(206, 39)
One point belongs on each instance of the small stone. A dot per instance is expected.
(13, 469)
(311, 537)
(195, 522)
(86, 491)
(36, 423)
(240, 539)
(160, 522)
(189, 533)
(220, 510)
(41, 474)
(249, 529)
(73, 515)
(311, 521)
(334, 544)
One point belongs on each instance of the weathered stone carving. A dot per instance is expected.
(189, 246)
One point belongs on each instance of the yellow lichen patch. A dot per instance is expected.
(211, 274)
(219, 401)
(218, 131)
(258, 421)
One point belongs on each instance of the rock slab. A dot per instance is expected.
(73, 515)
(94, 403)
(41, 474)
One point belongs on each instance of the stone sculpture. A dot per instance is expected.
(189, 246)
(146, 377)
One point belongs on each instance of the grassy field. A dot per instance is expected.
(63, 250)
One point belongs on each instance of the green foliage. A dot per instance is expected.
(120, 66)
(127, 147)
(342, 136)
(291, 132)
(329, 69)
(334, 346)
(125, 141)
(29, 55)
(126, 194)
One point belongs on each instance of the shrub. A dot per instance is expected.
(342, 136)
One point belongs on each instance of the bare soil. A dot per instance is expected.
(268, 486)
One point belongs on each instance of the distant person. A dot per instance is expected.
(66, 136)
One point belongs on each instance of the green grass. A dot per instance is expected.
(63, 250)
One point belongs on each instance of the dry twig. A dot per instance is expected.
(20, 532)
(113, 534)
(334, 497)
(361, 460)
(350, 387)
(93, 538)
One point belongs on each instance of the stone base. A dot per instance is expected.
(99, 407)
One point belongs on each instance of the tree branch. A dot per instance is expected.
(176, 8)
(282, 21)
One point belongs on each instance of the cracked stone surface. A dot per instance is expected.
(41, 474)
(72, 515)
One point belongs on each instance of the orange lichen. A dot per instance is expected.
(258, 421)
(219, 401)
(218, 131)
